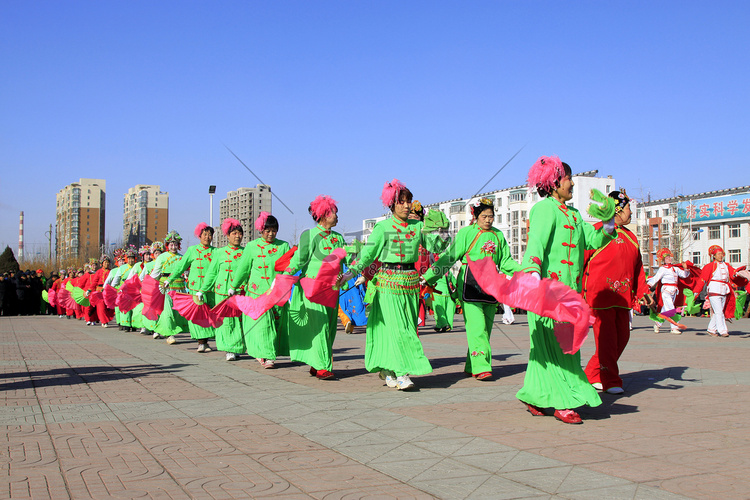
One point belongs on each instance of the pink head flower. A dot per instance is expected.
(230, 225)
(322, 206)
(545, 173)
(260, 222)
(391, 191)
(199, 229)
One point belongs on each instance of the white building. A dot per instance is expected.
(512, 206)
(245, 205)
(690, 224)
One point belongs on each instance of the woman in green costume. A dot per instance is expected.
(392, 346)
(170, 322)
(221, 280)
(137, 319)
(477, 240)
(312, 327)
(557, 239)
(148, 326)
(125, 320)
(196, 261)
(257, 266)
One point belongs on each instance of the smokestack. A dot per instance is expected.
(20, 238)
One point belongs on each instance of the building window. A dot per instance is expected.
(514, 217)
(666, 212)
(656, 213)
(517, 196)
(696, 258)
(655, 231)
(637, 213)
(499, 202)
(696, 234)
(714, 232)
(665, 227)
(734, 230)
(499, 218)
(735, 256)
(648, 214)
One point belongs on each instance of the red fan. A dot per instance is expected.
(129, 295)
(321, 288)
(52, 297)
(110, 296)
(186, 305)
(95, 298)
(278, 295)
(545, 297)
(153, 299)
(65, 299)
(227, 308)
(283, 262)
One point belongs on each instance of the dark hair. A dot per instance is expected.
(475, 211)
(544, 193)
(271, 223)
(209, 229)
(403, 195)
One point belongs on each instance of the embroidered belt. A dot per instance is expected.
(395, 266)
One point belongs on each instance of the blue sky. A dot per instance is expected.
(336, 97)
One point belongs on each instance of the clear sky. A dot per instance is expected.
(336, 97)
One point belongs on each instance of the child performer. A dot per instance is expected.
(667, 278)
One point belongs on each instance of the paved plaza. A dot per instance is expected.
(89, 412)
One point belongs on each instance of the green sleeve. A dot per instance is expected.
(213, 272)
(455, 251)
(181, 265)
(302, 256)
(541, 231)
(506, 263)
(242, 272)
(596, 238)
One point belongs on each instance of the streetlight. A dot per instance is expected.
(211, 191)
(48, 234)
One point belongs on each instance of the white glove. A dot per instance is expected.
(88, 292)
(199, 296)
(163, 287)
(231, 292)
(360, 280)
(536, 275)
(609, 225)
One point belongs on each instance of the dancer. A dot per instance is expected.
(170, 322)
(444, 301)
(476, 241)
(613, 281)
(148, 326)
(312, 327)
(392, 345)
(257, 266)
(222, 281)
(557, 239)
(120, 274)
(96, 284)
(719, 275)
(197, 260)
(666, 281)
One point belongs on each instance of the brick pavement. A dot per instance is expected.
(96, 413)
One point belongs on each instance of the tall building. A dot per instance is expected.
(689, 224)
(80, 220)
(512, 207)
(146, 215)
(245, 205)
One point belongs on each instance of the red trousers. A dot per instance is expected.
(89, 313)
(611, 333)
(105, 315)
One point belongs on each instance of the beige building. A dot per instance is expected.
(245, 205)
(145, 215)
(80, 220)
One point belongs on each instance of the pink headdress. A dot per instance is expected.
(230, 225)
(199, 229)
(322, 206)
(391, 191)
(545, 173)
(260, 222)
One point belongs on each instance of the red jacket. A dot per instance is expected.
(613, 275)
(734, 280)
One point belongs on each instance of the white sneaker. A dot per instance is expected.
(88, 323)
(391, 381)
(231, 356)
(615, 390)
(143, 331)
(60, 316)
(105, 325)
(656, 328)
(171, 340)
(403, 383)
(156, 335)
(598, 386)
(201, 348)
(208, 347)
(349, 328)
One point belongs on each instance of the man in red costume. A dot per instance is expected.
(613, 281)
(721, 279)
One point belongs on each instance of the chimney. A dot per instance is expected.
(20, 238)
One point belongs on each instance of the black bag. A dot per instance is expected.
(472, 292)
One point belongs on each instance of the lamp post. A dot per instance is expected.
(48, 234)
(211, 191)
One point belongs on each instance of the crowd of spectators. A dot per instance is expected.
(21, 292)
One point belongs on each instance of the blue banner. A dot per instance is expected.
(719, 208)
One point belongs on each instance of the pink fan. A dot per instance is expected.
(110, 296)
(321, 288)
(153, 299)
(200, 314)
(52, 297)
(227, 308)
(278, 295)
(545, 297)
(65, 299)
(130, 295)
